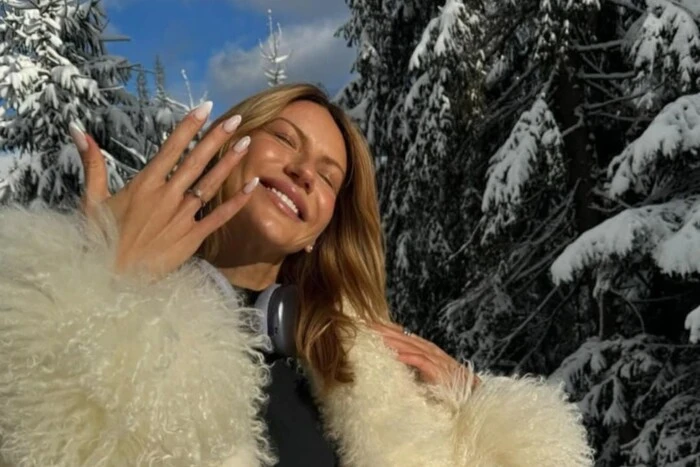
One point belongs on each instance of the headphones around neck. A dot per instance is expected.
(279, 306)
(274, 313)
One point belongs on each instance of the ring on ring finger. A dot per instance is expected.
(196, 192)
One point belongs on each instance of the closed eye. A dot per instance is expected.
(328, 180)
(285, 138)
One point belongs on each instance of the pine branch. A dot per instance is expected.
(510, 337)
(517, 83)
(598, 46)
(133, 152)
(579, 123)
(618, 100)
(188, 87)
(620, 118)
(600, 88)
(550, 322)
(631, 306)
(607, 76)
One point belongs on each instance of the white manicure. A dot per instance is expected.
(250, 186)
(231, 124)
(242, 144)
(202, 112)
(78, 136)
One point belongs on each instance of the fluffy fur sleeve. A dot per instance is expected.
(105, 370)
(515, 422)
(386, 418)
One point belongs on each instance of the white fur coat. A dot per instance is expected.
(99, 370)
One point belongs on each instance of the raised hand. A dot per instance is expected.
(155, 215)
(434, 365)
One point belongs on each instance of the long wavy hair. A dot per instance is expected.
(342, 281)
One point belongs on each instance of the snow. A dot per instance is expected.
(497, 71)
(534, 142)
(680, 252)
(661, 231)
(7, 159)
(674, 131)
(441, 32)
(692, 324)
(662, 44)
(271, 53)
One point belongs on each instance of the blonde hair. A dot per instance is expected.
(346, 267)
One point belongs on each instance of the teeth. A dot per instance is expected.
(286, 200)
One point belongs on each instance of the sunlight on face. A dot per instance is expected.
(301, 160)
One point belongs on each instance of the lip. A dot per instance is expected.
(290, 191)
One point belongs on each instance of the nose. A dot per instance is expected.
(302, 173)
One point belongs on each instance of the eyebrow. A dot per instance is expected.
(326, 159)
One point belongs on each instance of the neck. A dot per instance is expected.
(256, 276)
(247, 261)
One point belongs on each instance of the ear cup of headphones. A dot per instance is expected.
(282, 304)
(275, 312)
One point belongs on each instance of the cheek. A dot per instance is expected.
(326, 207)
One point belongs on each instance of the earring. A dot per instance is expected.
(309, 248)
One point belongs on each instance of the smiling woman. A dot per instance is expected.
(118, 349)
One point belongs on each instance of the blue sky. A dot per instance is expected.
(216, 42)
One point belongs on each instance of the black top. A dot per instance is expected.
(293, 419)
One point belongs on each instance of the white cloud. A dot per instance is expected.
(317, 57)
(298, 8)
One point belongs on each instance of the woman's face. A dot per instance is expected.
(301, 160)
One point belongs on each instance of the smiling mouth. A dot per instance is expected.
(285, 201)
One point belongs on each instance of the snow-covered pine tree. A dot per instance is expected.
(271, 52)
(54, 69)
(638, 380)
(419, 92)
(154, 117)
(534, 191)
(646, 264)
(564, 95)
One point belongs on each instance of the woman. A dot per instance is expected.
(117, 350)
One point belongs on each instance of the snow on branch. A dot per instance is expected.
(609, 367)
(666, 232)
(533, 145)
(692, 324)
(674, 131)
(439, 36)
(271, 52)
(670, 437)
(665, 39)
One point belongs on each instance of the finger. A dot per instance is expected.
(210, 184)
(429, 371)
(398, 332)
(402, 345)
(222, 214)
(94, 168)
(395, 326)
(170, 152)
(196, 161)
(390, 327)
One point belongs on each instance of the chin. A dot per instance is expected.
(281, 233)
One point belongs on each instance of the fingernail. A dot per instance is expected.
(242, 144)
(78, 136)
(250, 186)
(202, 112)
(231, 124)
